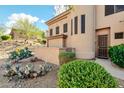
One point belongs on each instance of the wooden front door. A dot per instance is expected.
(102, 47)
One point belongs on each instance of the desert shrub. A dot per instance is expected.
(43, 42)
(84, 74)
(19, 54)
(25, 53)
(116, 54)
(65, 57)
(6, 37)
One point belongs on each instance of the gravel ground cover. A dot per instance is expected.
(47, 81)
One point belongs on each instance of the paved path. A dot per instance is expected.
(115, 71)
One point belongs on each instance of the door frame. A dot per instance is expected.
(102, 31)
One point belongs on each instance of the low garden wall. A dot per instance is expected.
(50, 54)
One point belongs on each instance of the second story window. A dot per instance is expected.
(119, 8)
(65, 28)
(76, 25)
(109, 9)
(57, 30)
(51, 32)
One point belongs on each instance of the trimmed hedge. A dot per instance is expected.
(84, 74)
(116, 54)
(6, 37)
(65, 57)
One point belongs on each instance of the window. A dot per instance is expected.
(119, 35)
(119, 8)
(109, 9)
(51, 32)
(57, 30)
(65, 28)
(76, 25)
(82, 23)
(71, 26)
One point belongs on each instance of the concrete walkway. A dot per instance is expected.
(115, 71)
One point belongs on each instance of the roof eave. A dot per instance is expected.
(58, 16)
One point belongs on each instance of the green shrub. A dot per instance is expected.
(14, 55)
(65, 57)
(116, 54)
(6, 37)
(84, 74)
(43, 42)
(20, 54)
(25, 53)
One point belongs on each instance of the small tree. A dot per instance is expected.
(28, 29)
(24, 25)
(2, 30)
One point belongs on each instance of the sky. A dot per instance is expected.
(37, 14)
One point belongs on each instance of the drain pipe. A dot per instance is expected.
(94, 29)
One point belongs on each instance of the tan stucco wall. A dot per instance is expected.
(60, 24)
(112, 21)
(48, 54)
(83, 43)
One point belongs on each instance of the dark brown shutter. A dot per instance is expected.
(57, 30)
(51, 32)
(76, 25)
(71, 26)
(65, 28)
(82, 23)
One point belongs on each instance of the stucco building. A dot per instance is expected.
(89, 29)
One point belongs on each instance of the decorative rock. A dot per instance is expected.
(43, 73)
(28, 59)
(20, 86)
(30, 67)
(15, 78)
(10, 79)
(120, 86)
(35, 75)
(34, 59)
(26, 72)
(10, 73)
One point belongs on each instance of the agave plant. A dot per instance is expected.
(20, 54)
(8, 65)
(10, 70)
(30, 67)
(45, 68)
(16, 68)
